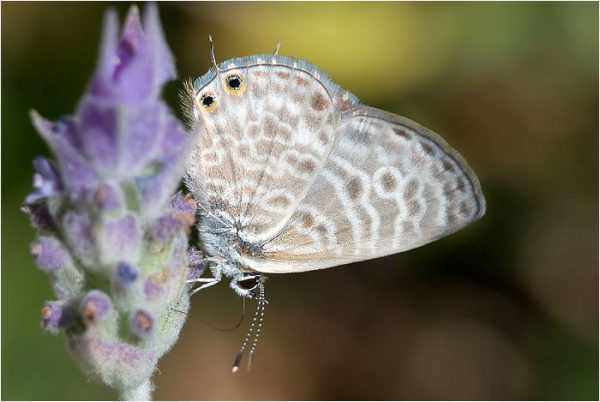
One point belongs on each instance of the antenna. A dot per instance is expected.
(212, 52)
(258, 317)
(261, 303)
(277, 46)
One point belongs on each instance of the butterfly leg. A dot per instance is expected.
(212, 282)
(206, 282)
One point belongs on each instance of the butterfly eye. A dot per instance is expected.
(248, 283)
(207, 101)
(234, 84)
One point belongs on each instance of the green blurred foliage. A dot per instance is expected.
(507, 308)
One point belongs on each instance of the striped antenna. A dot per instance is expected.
(255, 328)
(261, 308)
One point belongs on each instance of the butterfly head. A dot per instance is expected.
(248, 285)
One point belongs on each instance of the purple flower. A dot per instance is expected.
(46, 181)
(108, 198)
(134, 68)
(126, 273)
(196, 263)
(182, 215)
(122, 130)
(95, 306)
(79, 233)
(77, 174)
(116, 358)
(142, 324)
(50, 254)
(113, 237)
(57, 316)
(40, 215)
(120, 239)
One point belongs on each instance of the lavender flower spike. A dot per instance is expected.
(112, 237)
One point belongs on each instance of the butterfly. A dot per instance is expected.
(292, 173)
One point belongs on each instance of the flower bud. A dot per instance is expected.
(142, 324)
(57, 316)
(107, 198)
(196, 263)
(50, 254)
(94, 307)
(126, 273)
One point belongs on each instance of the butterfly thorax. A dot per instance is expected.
(226, 248)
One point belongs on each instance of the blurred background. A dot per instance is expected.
(504, 309)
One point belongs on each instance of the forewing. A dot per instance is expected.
(260, 149)
(389, 185)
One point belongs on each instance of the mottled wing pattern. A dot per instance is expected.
(260, 148)
(389, 185)
(312, 179)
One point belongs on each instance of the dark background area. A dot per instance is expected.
(504, 309)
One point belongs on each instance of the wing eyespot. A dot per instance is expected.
(235, 84)
(207, 101)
